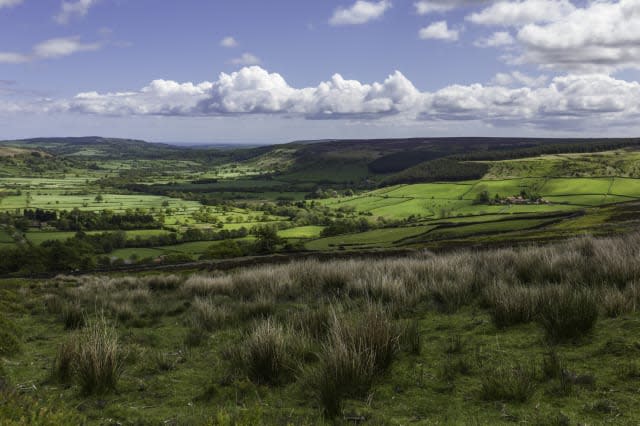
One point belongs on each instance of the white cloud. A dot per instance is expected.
(59, 47)
(13, 58)
(602, 36)
(9, 3)
(572, 102)
(497, 39)
(439, 31)
(228, 42)
(50, 49)
(360, 13)
(424, 7)
(253, 90)
(522, 12)
(246, 59)
(73, 9)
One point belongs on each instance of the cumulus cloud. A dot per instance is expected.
(522, 12)
(602, 36)
(360, 13)
(73, 9)
(513, 99)
(228, 42)
(497, 39)
(439, 31)
(50, 49)
(596, 36)
(246, 59)
(9, 3)
(424, 7)
(253, 90)
(583, 101)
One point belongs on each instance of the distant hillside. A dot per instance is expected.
(92, 147)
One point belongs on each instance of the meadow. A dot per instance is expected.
(537, 335)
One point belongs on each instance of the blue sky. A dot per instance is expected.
(258, 71)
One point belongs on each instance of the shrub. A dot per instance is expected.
(567, 313)
(515, 384)
(99, 358)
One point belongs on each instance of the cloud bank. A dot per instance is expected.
(584, 101)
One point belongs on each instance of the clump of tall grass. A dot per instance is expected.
(206, 315)
(207, 286)
(64, 361)
(511, 305)
(163, 282)
(73, 316)
(356, 352)
(516, 384)
(93, 356)
(270, 354)
(99, 358)
(567, 313)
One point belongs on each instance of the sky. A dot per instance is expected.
(255, 71)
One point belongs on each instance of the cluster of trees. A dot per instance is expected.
(346, 226)
(76, 220)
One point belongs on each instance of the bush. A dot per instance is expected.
(567, 313)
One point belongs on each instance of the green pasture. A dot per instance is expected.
(140, 253)
(301, 232)
(38, 237)
(384, 237)
(483, 228)
(576, 186)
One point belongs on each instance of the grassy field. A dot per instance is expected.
(473, 337)
(370, 239)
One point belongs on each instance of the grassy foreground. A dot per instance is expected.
(535, 335)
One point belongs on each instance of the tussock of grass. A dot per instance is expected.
(516, 384)
(567, 313)
(93, 356)
(511, 305)
(270, 354)
(355, 354)
(206, 315)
